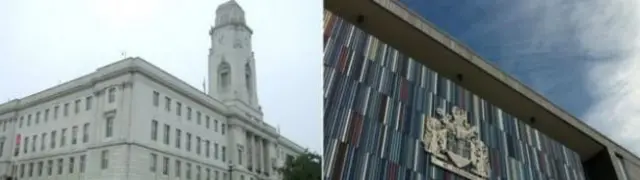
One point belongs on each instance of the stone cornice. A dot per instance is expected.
(236, 113)
(290, 144)
(120, 68)
(78, 84)
(137, 65)
(243, 25)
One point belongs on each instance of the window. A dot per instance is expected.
(88, 103)
(109, 127)
(42, 141)
(165, 166)
(198, 172)
(82, 163)
(50, 167)
(207, 148)
(167, 105)
(224, 176)
(225, 71)
(46, 115)
(21, 121)
(53, 139)
(65, 112)
(33, 143)
(166, 134)
(188, 113)
(77, 107)
(71, 164)
(22, 170)
(207, 122)
(85, 133)
(178, 108)
(241, 177)
(198, 117)
(55, 112)
(178, 134)
(178, 169)
(215, 125)
(154, 161)
(29, 120)
(112, 95)
(216, 175)
(30, 169)
(156, 98)
(74, 135)
(40, 168)
(37, 117)
(60, 162)
(154, 130)
(239, 155)
(2, 148)
(222, 128)
(104, 164)
(26, 144)
(215, 150)
(198, 142)
(224, 154)
(208, 174)
(63, 137)
(188, 141)
(188, 170)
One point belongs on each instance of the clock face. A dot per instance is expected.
(237, 44)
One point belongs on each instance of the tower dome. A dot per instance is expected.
(229, 12)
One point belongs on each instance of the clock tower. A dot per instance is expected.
(231, 60)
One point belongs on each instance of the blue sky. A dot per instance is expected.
(44, 43)
(583, 55)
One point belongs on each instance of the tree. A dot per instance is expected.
(306, 166)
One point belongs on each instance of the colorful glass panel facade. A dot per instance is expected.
(376, 100)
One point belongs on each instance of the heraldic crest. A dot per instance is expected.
(453, 139)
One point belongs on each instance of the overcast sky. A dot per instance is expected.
(584, 55)
(44, 43)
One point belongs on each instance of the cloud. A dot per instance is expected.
(593, 45)
(607, 33)
(583, 55)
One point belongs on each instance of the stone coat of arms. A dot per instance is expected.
(452, 138)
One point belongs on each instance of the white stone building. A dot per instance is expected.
(132, 120)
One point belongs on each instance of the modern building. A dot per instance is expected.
(403, 100)
(132, 120)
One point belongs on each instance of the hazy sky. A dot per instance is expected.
(44, 43)
(584, 55)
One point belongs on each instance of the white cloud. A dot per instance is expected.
(609, 32)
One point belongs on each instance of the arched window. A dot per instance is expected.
(224, 75)
(248, 78)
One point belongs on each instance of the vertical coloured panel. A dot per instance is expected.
(376, 99)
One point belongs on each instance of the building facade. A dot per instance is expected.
(405, 101)
(132, 120)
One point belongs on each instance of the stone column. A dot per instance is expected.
(248, 159)
(267, 156)
(254, 154)
(258, 154)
